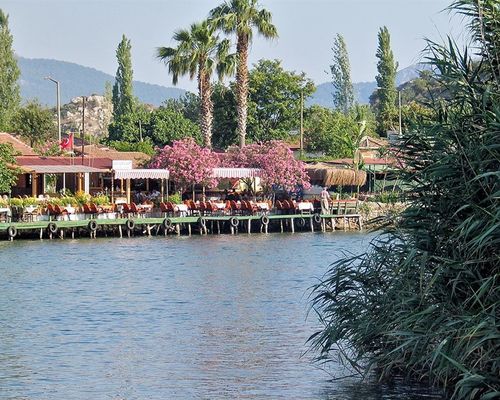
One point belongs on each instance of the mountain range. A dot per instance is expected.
(77, 80)
(362, 90)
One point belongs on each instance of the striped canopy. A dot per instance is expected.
(142, 174)
(236, 172)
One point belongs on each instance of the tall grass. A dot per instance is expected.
(425, 299)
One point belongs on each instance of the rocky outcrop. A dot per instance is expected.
(98, 115)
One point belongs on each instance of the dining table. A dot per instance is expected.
(182, 209)
(305, 207)
(5, 213)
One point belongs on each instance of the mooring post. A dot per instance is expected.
(311, 223)
(345, 223)
(292, 225)
(120, 231)
(249, 225)
(41, 233)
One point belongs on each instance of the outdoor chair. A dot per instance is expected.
(95, 209)
(164, 209)
(126, 212)
(234, 207)
(87, 211)
(248, 208)
(136, 211)
(192, 209)
(59, 212)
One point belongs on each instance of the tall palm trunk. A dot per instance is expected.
(242, 86)
(206, 107)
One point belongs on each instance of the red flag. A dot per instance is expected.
(67, 143)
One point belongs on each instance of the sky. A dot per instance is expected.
(87, 32)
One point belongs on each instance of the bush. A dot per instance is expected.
(175, 198)
(425, 299)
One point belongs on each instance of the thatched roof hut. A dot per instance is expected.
(328, 175)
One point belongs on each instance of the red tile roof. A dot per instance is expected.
(18, 145)
(102, 163)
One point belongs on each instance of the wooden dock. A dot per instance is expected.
(189, 225)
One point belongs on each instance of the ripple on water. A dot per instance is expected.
(217, 317)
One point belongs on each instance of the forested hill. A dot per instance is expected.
(77, 80)
(362, 90)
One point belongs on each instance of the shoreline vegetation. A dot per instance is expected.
(424, 300)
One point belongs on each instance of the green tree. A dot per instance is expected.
(274, 100)
(9, 74)
(199, 51)
(122, 96)
(225, 116)
(387, 68)
(241, 17)
(343, 95)
(35, 123)
(8, 171)
(168, 124)
(188, 105)
(330, 132)
(131, 126)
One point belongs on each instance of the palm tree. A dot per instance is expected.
(240, 17)
(198, 53)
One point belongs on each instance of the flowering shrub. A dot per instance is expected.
(278, 166)
(188, 163)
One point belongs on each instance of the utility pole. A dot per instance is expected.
(302, 123)
(82, 136)
(58, 106)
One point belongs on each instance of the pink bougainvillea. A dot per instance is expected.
(275, 159)
(188, 163)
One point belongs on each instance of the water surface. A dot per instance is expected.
(213, 317)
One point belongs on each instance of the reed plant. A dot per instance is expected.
(425, 299)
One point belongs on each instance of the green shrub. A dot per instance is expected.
(175, 198)
(425, 299)
(101, 200)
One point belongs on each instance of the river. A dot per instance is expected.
(212, 317)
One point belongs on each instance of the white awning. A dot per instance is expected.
(142, 174)
(62, 169)
(236, 172)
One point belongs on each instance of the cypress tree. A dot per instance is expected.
(387, 67)
(9, 74)
(123, 98)
(343, 96)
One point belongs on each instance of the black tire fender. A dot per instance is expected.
(52, 227)
(92, 226)
(202, 222)
(317, 218)
(12, 231)
(130, 224)
(234, 222)
(301, 222)
(167, 223)
(264, 220)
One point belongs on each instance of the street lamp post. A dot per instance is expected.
(58, 106)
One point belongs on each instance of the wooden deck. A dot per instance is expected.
(180, 225)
